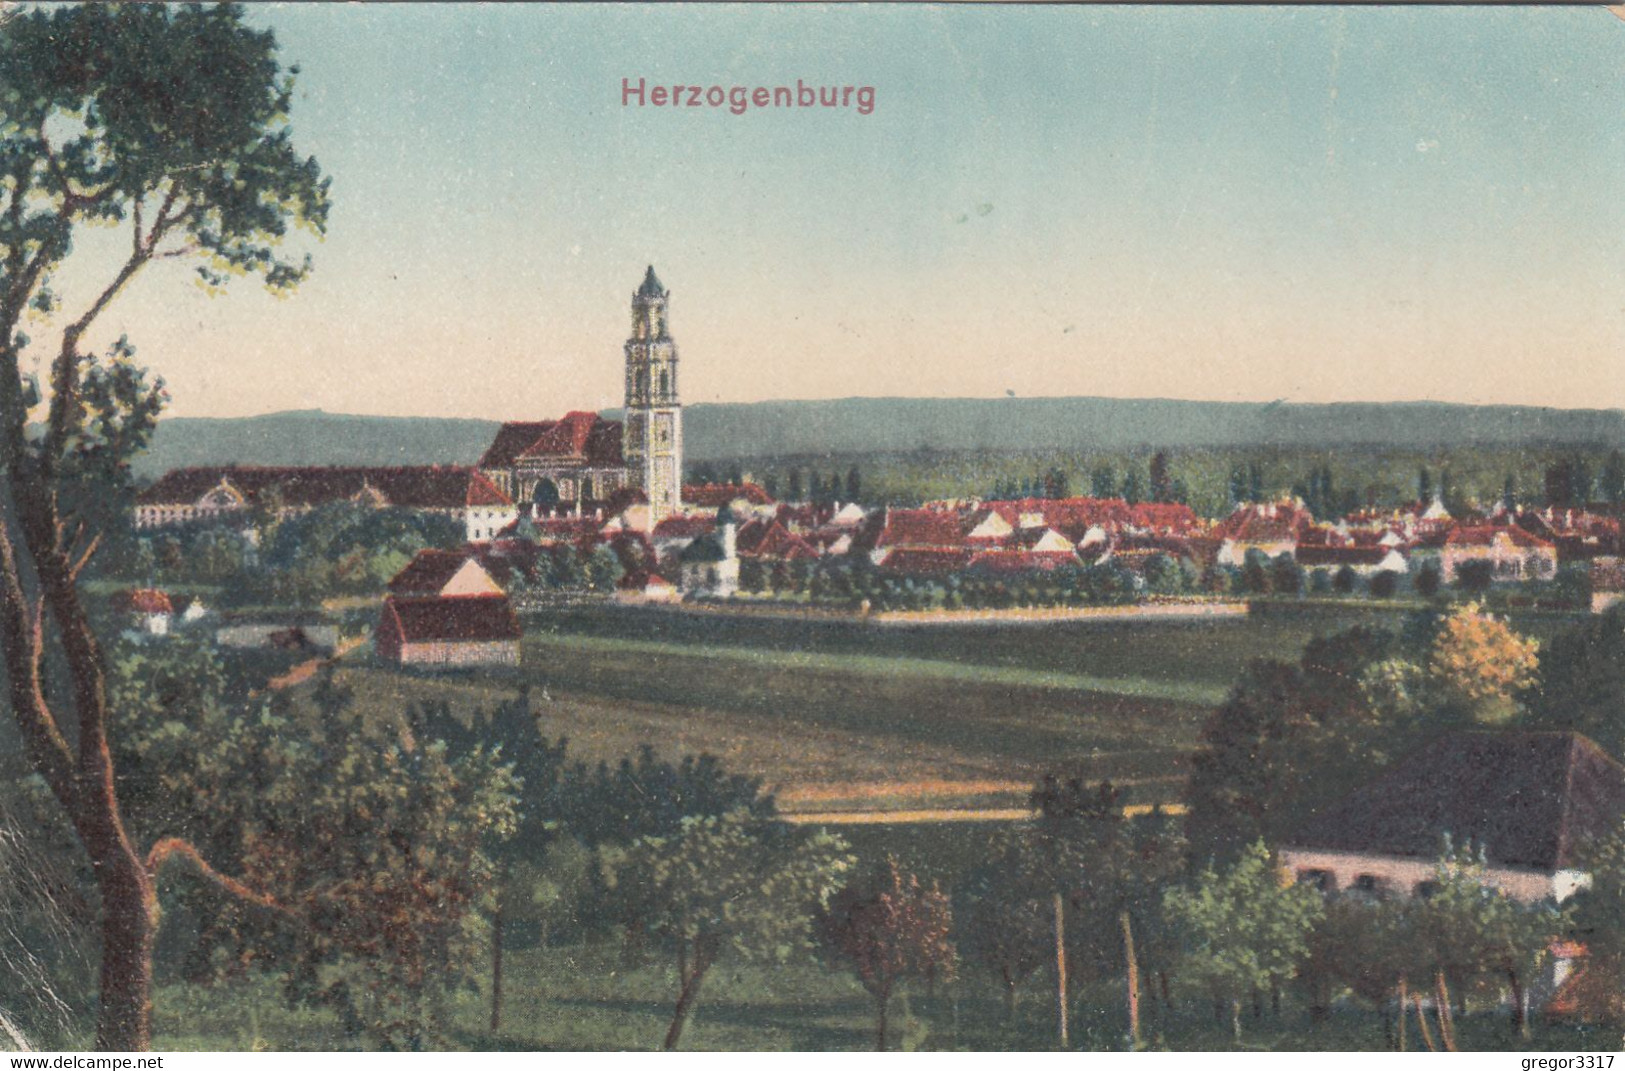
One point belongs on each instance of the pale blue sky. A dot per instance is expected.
(1304, 203)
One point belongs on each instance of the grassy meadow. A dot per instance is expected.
(838, 715)
(597, 997)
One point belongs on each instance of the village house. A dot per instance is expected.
(438, 632)
(1529, 801)
(1511, 553)
(1362, 560)
(1270, 528)
(1526, 803)
(444, 573)
(145, 611)
(233, 494)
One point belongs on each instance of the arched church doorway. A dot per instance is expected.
(546, 496)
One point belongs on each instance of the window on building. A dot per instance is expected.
(1318, 879)
(1367, 885)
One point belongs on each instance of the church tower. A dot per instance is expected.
(653, 436)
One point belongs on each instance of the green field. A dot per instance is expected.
(841, 715)
(594, 997)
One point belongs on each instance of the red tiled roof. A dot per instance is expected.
(419, 486)
(1485, 535)
(921, 528)
(425, 620)
(717, 495)
(683, 527)
(143, 601)
(429, 572)
(581, 437)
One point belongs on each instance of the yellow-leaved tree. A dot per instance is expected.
(1484, 661)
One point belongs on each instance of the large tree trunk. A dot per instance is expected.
(1060, 966)
(129, 928)
(1133, 981)
(704, 956)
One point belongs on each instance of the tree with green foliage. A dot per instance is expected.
(1133, 487)
(1424, 485)
(721, 885)
(1581, 681)
(1003, 918)
(1161, 484)
(1475, 577)
(1611, 482)
(512, 733)
(646, 796)
(1286, 575)
(1598, 922)
(1238, 486)
(367, 849)
(1428, 579)
(1383, 584)
(1103, 482)
(604, 570)
(1471, 933)
(1257, 573)
(888, 928)
(1243, 930)
(1289, 738)
(108, 118)
(854, 484)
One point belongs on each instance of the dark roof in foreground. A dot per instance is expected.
(1528, 799)
(454, 618)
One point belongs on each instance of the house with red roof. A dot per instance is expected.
(1512, 554)
(1271, 528)
(447, 632)
(444, 573)
(145, 610)
(645, 585)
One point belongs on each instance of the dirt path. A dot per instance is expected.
(941, 814)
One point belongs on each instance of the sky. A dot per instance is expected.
(1311, 204)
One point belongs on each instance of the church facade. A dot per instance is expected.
(583, 463)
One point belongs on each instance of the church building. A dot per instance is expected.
(582, 462)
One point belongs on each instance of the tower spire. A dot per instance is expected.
(652, 438)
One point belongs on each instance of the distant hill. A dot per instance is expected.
(312, 437)
(859, 425)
